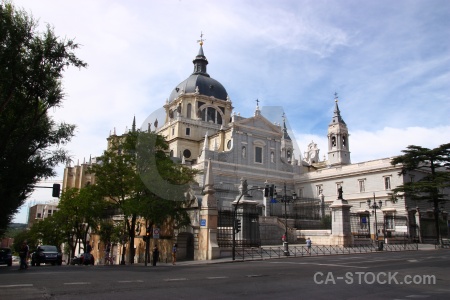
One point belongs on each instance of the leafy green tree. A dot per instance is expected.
(31, 69)
(80, 212)
(435, 164)
(136, 174)
(46, 232)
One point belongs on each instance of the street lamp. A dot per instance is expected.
(375, 206)
(286, 200)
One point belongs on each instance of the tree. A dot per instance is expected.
(31, 69)
(435, 164)
(80, 212)
(46, 232)
(122, 177)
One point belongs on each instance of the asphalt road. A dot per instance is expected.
(383, 275)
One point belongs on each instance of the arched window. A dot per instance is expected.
(210, 114)
(189, 110)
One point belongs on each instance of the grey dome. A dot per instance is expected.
(200, 78)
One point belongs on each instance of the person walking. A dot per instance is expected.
(174, 253)
(155, 255)
(108, 258)
(308, 245)
(23, 254)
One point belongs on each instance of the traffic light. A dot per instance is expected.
(237, 225)
(272, 191)
(147, 234)
(266, 191)
(56, 190)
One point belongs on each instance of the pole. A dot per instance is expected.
(234, 226)
(286, 243)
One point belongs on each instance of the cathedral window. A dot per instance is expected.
(258, 155)
(344, 141)
(210, 114)
(188, 111)
(387, 183)
(272, 157)
(389, 220)
(187, 153)
(244, 152)
(333, 141)
(188, 131)
(362, 187)
(319, 190)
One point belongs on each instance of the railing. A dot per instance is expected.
(299, 251)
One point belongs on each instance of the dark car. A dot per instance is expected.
(5, 257)
(80, 259)
(46, 254)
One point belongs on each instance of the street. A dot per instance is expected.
(382, 275)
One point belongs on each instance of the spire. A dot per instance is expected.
(200, 60)
(337, 113)
(257, 111)
(285, 133)
(206, 144)
(133, 127)
(209, 180)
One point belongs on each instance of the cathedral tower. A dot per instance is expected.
(338, 142)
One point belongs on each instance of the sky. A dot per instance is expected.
(388, 62)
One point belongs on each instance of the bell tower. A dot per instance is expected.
(338, 139)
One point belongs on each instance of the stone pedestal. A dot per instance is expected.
(341, 233)
(208, 247)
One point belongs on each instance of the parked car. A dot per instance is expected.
(5, 257)
(46, 254)
(80, 259)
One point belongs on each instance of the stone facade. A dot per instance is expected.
(204, 132)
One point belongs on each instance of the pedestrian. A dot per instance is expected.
(174, 253)
(155, 255)
(23, 254)
(308, 245)
(88, 257)
(108, 254)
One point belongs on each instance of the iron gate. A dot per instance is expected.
(248, 236)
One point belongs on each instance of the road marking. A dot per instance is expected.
(129, 281)
(317, 264)
(175, 279)
(218, 277)
(16, 285)
(76, 283)
(417, 296)
(258, 275)
(413, 260)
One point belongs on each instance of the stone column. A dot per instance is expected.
(207, 237)
(341, 233)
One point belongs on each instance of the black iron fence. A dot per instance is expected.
(248, 236)
(319, 250)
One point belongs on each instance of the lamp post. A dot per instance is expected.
(286, 200)
(375, 206)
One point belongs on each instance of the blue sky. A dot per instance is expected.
(389, 62)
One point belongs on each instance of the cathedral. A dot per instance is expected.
(204, 132)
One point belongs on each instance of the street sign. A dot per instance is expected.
(203, 222)
(156, 233)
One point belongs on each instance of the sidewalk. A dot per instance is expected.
(276, 249)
